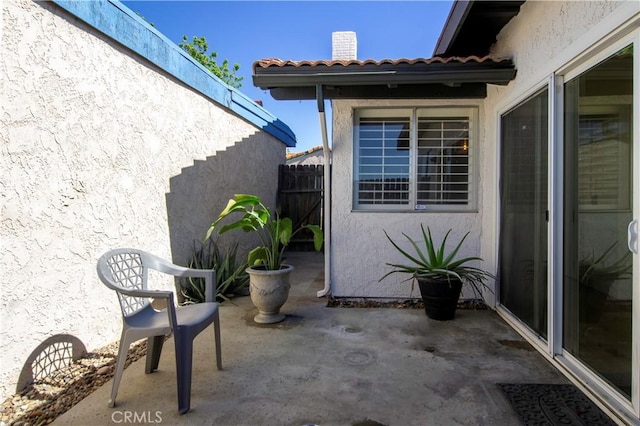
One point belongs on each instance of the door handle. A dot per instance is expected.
(632, 236)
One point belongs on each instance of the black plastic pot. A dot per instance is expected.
(440, 297)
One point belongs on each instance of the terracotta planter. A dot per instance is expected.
(269, 290)
(440, 297)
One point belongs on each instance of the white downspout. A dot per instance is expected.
(327, 193)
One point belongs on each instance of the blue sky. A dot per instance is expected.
(246, 31)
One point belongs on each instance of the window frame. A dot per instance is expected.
(471, 113)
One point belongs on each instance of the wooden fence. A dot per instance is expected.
(300, 192)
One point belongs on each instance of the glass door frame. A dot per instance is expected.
(522, 102)
(603, 390)
(607, 397)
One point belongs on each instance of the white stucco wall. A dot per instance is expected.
(359, 248)
(543, 30)
(542, 39)
(98, 151)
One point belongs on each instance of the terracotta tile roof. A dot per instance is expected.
(437, 77)
(292, 155)
(275, 62)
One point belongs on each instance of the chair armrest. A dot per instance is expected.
(167, 267)
(157, 294)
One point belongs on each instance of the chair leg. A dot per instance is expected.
(123, 350)
(216, 329)
(154, 348)
(184, 358)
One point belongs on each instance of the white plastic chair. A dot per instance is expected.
(126, 271)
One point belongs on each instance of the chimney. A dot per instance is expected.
(344, 45)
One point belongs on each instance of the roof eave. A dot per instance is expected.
(456, 18)
(407, 91)
(472, 26)
(266, 79)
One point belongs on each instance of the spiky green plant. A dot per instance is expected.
(231, 278)
(432, 262)
(595, 273)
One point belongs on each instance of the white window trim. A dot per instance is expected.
(470, 111)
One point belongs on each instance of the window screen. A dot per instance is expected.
(384, 160)
(414, 159)
(443, 161)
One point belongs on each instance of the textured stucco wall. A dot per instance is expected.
(542, 31)
(359, 248)
(101, 149)
(544, 37)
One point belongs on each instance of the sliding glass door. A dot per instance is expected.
(598, 209)
(524, 212)
(569, 175)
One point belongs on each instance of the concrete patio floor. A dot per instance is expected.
(332, 366)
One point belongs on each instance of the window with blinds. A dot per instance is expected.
(604, 158)
(414, 159)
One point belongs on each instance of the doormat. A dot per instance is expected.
(544, 404)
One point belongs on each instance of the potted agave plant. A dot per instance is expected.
(268, 274)
(440, 275)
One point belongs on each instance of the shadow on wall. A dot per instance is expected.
(54, 353)
(200, 192)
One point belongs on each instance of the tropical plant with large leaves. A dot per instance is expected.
(275, 232)
(433, 262)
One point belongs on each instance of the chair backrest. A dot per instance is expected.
(124, 269)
